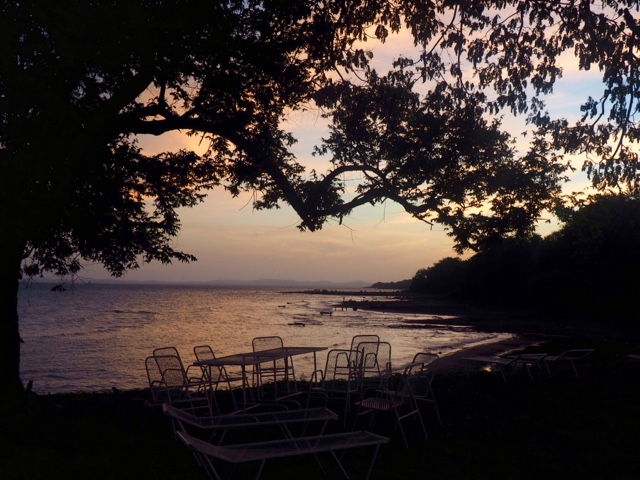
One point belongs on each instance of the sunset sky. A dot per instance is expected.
(233, 242)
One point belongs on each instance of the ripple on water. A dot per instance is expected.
(98, 336)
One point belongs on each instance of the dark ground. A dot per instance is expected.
(550, 428)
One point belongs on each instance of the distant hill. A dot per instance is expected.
(267, 282)
(399, 285)
(270, 282)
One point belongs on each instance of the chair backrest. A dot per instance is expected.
(266, 343)
(153, 372)
(426, 358)
(172, 371)
(154, 376)
(375, 358)
(425, 364)
(167, 379)
(164, 351)
(356, 339)
(171, 366)
(203, 352)
(414, 388)
(341, 365)
(417, 381)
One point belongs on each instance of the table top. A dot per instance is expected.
(253, 358)
(237, 420)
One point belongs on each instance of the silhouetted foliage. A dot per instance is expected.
(597, 252)
(588, 267)
(399, 285)
(80, 80)
(443, 155)
(444, 276)
(503, 272)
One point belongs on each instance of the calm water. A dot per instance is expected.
(94, 337)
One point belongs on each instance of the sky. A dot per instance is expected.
(383, 243)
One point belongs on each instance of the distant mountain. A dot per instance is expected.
(272, 282)
(267, 282)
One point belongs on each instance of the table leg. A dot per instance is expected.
(275, 379)
(243, 369)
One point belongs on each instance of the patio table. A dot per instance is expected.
(243, 360)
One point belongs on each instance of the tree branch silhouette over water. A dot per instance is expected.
(79, 81)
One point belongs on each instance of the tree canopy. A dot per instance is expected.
(444, 153)
(587, 268)
(80, 80)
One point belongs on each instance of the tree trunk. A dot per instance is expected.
(11, 388)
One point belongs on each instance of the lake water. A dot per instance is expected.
(96, 336)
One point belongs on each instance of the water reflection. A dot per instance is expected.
(95, 337)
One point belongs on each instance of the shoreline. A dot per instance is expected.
(514, 320)
(99, 435)
(530, 330)
(453, 362)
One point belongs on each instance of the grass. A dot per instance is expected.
(559, 428)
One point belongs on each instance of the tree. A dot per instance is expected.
(79, 80)
(588, 268)
(446, 276)
(440, 156)
(502, 274)
(592, 261)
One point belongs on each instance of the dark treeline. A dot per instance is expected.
(588, 267)
(399, 285)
